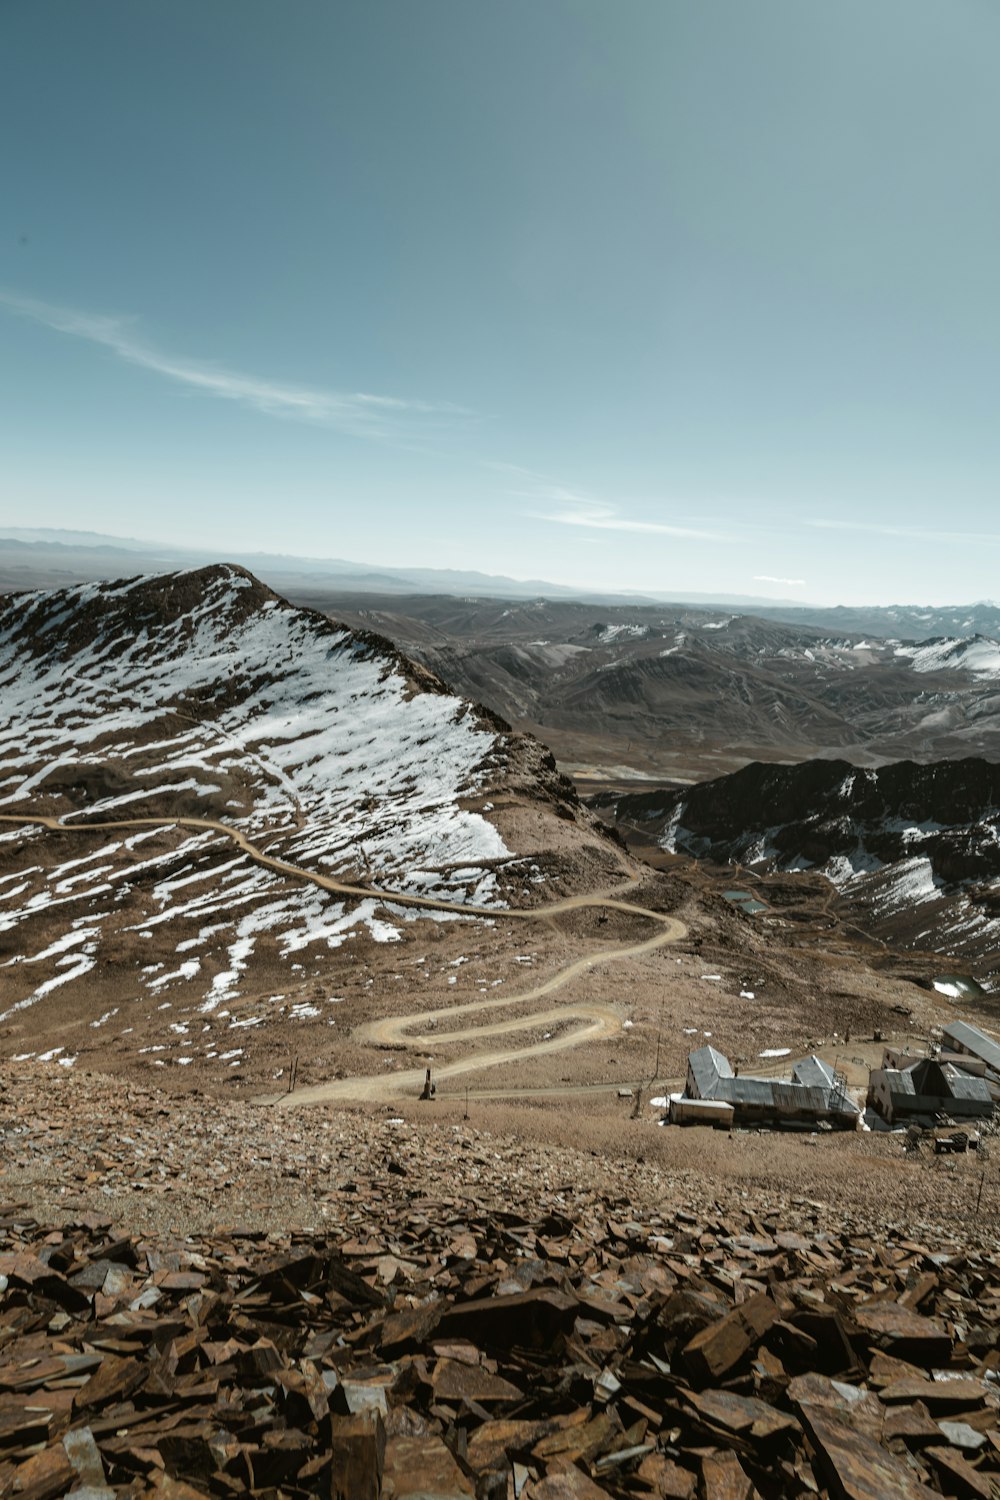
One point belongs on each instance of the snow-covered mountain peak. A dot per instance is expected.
(978, 655)
(205, 692)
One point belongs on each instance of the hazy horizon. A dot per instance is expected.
(662, 299)
(355, 568)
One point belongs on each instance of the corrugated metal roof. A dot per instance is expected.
(973, 1040)
(792, 1097)
(963, 1086)
(752, 1090)
(813, 1071)
(713, 1078)
(711, 1071)
(723, 1066)
(931, 1080)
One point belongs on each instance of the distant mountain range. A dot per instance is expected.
(40, 557)
(908, 622)
(672, 692)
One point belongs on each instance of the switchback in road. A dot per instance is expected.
(595, 1021)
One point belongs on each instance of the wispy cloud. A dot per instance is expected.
(906, 533)
(568, 507)
(791, 583)
(605, 518)
(355, 412)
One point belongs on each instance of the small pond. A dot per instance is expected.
(745, 901)
(958, 986)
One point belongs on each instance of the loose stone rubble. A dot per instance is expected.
(434, 1348)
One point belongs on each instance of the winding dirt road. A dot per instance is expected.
(588, 1021)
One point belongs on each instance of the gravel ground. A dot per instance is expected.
(158, 1162)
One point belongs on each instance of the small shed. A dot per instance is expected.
(714, 1112)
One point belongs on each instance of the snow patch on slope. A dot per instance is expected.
(977, 655)
(305, 737)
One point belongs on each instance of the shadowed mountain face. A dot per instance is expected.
(677, 692)
(913, 849)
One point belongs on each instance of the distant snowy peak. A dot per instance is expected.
(978, 655)
(608, 634)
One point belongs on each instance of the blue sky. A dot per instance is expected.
(646, 294)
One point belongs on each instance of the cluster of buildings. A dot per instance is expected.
(960, 1081)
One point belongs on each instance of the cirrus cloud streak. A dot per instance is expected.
(568, 507)
(357, 413)
(906, 533)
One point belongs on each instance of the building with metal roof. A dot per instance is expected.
(814, 1092)
(961, 1036)
(926, 1089)
(814, 1072)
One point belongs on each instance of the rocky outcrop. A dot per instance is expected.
(811, 813)
(914, 850)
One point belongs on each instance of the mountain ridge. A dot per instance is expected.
(912, 849)
(148, 704)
